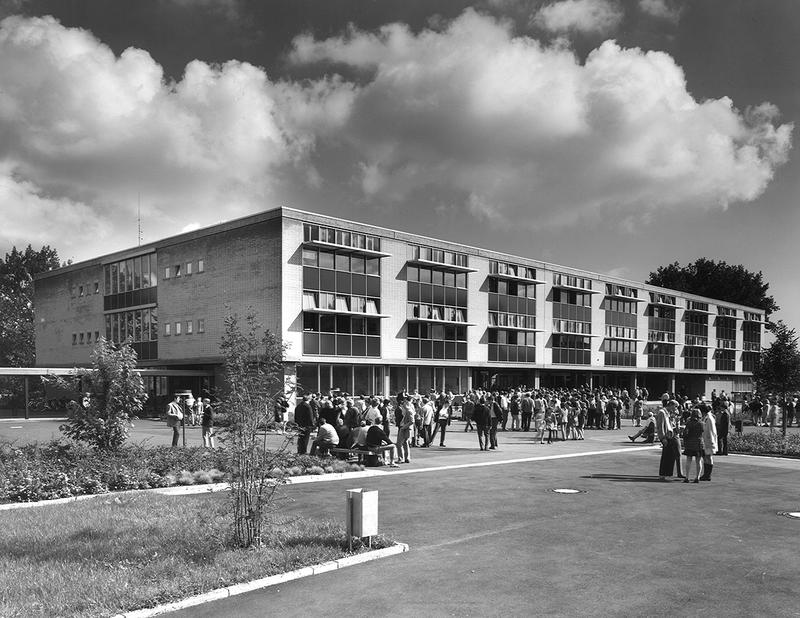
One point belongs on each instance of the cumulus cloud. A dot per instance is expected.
(596, 16)
(469, 115)
(661, 9)
(91, 135)
(522, 132)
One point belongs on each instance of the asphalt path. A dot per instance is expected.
(495, 540)
(489, 537)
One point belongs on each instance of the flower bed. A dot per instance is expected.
(66, 469)
(762, 443)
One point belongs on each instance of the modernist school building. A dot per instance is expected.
(370, 310)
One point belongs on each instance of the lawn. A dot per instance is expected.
(116, 553)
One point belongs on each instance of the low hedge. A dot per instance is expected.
(60, 469)
(762, 443)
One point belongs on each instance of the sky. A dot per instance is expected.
(613, 136)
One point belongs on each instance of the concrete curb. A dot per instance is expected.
(266, 582)
(187, 490)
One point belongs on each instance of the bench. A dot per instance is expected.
(370, 457)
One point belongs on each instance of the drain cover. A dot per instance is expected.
(564, 490)
(790, 515)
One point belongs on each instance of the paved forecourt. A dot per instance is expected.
(495, 540)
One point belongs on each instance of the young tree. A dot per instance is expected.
(779, 368)
(719, 280)
(254, 380)
(17, 345)
(116, 395)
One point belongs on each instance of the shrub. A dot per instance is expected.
(762, 443)
(62, 469)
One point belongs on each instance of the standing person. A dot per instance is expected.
(772, 415)
(528, 405)
(442, 419)
(692, 444)
(756, 409)
(723, 427)
(427, 413)
(304, 418)
(207, 424)
(480, 415)
(385, 410)
(502, 400)
(174, 417)
(670, 451)
(513, 408)
(709, 444)
(467, 408)
(495, 415)
(638, 411)
(405, 405)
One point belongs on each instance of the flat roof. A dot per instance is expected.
(410, 237)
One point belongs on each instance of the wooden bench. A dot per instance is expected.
(361, 455)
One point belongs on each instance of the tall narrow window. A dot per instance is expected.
(177, 328)
(188, 268)
(201, 325)
(188, 326)
(201, 266)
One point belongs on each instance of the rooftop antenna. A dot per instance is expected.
(139, 217)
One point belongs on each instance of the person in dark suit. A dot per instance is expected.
(723, 427)
(481, 418)
(304, 418)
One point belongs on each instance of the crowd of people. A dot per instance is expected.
(551, 414)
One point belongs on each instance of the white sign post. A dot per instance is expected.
(362, 515)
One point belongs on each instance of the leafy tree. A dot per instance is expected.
(116, 396)
(720, 280)
(779, 368)
(17, 344)
(254, 381)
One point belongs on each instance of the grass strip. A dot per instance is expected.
(119, 553)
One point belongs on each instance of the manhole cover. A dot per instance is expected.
(790, 515)
(565, 490)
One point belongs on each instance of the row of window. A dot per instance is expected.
(341, 324)
(696, 305)
(507, 353)
(188, 329)
(137, 325)
(570, 297)
(184, 269)
(437, 341)
(436, 276)
(131, 274)
(621, 290)
(696, 340)
(572, 326)
(355, 240)
(695, 358)
(85, 338)
(513, 270)
(340, 302)
(662, 299)
(620, 332)
(341, 282)
(619, 306)
(512, 304)
(436, 294)
(86, 290)
(342, 262)
(572, 281)
(329, 344)
(429, 254)
(514, 320)
(435, 312)
(512, 288)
